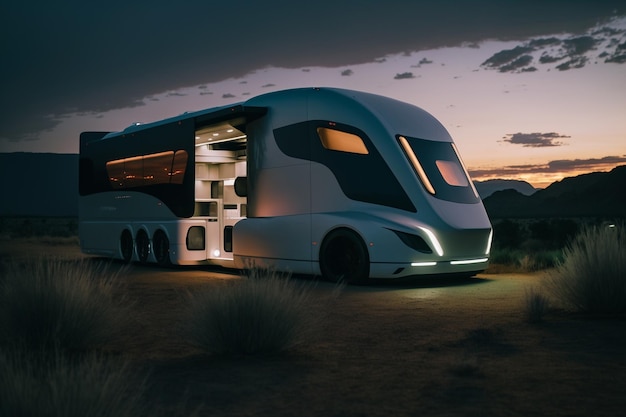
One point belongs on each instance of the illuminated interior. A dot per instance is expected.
(222, 133)
(220, 159)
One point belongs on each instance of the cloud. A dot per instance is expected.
(569, 52)
(535, 140)
(404, 76)
(619, 54)
(576, 62)
(560, 166)
(423, 61)
(503, 58)
(580, 45)
(577, 164)
(347, 73)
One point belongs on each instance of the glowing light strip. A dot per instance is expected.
(489, 242)
(423, 263)
(416, 164)
(216, 141)
(469, 261)
(433, 240)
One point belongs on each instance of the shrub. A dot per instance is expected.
(262, 313)
(592, 276)
(54, 385)
(527, 263)
(504, 256)
(52, 303)
(538, 261)
(547, 259)
(536, 306)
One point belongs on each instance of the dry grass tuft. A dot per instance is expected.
(536, 306)
(55, 385)
(263, 313)
(51, 303)
(592, 276)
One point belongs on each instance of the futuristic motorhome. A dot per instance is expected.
(321, 181)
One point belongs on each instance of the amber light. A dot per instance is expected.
(337, 140)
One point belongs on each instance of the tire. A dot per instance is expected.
(161, 247)
(344, 257)
(127, 245)
(142, 245)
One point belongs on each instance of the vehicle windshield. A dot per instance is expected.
(439, 169)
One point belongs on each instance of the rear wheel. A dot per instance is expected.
(161, 245)
(126, 245)
(143, 246)
(343, 257)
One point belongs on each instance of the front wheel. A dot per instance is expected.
(344, 257)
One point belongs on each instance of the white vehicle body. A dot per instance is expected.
(317, 181)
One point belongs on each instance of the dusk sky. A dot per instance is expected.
(531, 90)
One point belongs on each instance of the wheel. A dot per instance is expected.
(142, 244)
(344, 257)
(126, 245)
(161, 247)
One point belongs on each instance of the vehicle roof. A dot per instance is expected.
(393, 111)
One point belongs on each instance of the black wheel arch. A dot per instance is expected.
(161, 247)
(127, 245)
(344, 256)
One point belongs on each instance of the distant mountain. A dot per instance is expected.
(487, 188)
(39, 184)
(595, 194)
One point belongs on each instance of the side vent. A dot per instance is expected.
(413, 241)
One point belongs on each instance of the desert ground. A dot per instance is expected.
(426, 347)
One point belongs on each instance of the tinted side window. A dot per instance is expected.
(362, 173)
(145, 170)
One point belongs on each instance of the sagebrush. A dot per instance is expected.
(536, 305)
(262, 313)
(51, 384)
(51, 303)
(592, 276)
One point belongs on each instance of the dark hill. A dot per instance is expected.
(487, 188)
(39, 184)
(595, 194)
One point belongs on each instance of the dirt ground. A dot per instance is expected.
(423, 348)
